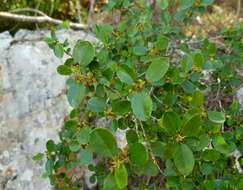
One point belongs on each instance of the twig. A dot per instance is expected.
(40, 19)
(238, 9)
(27, 9)
(91, 10)
(78, 11)
(149, 147)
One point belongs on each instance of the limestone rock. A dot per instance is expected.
(32, 105)
(240, 96)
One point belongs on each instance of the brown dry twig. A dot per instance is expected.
(43, 18)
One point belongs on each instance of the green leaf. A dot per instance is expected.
(188, 87)
(121, 107)
(58, 50)
(103, 32)
(76, 93)
(157, 70)
(163, 4)
(204, 140)
(221, 145)
(142, 106)
(71, 124)
(49, 166)
(184, 159)
(170, 169)
(170, 122)
(211, 155)
(185, 4)
(187, 63)
(131, 136)
(64, 70)
(198, 59)
(83, 53)
(74, 146)
(138, 154)
(150, 169)
(139, 50)
(211, 49)
(83, 136)
(158, 149)
(197, 98)
(216, 117)
(124, 77)
(103, 142)
(38, 157)
(85, 157)
(192, 126)
(109, 183)
(206, 2)
(96, 104)
(121, 176)
(50, 146)
(162, 43)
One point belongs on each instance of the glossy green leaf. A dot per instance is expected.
(163, 4)
(49, 166)
(83, 136)
(50, 146)
(76, 93)
(192, 126)
(121, 107)
(139, 50)
(216, 117)
(83, 53)
(162, 43)
(124, 77)
(188, 87)
(142, 106)
(138, 154)
(96, 104)
(197, 98)
(121, 176)
(58, 50)
(38, 157)
(149, 169)
(109, 183)
(74, 146)
(184, 159)
(85, 157)
(210, 155)
(131, 136)
(156, 70)
(206, 2)
(158, 149)
(198, 59)
(222, 146)
(103, 32)
(103, 142)
(185, 4)
(64, 70)
(170, 122)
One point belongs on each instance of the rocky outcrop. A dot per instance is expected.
(32, 105)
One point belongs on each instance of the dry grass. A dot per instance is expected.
(210, 23)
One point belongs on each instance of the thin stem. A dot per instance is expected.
(149, 147)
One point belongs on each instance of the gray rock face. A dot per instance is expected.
(240, 96)
(32, 105)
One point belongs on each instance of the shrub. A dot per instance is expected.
(171, 96)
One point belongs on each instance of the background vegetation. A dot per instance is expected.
(79, 10)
